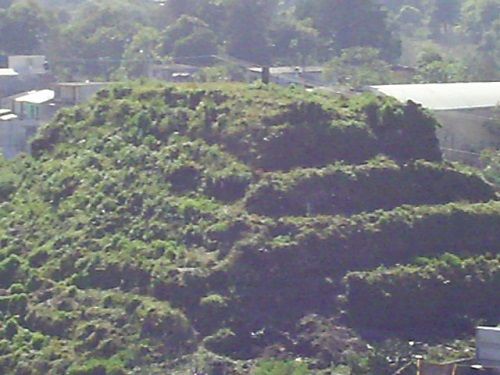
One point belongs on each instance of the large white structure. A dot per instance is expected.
(465, 110)
(488, 347)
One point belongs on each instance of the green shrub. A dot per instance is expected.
(224, 342)
(274, 367)
(212, 311)
(447, 294)
(9, 182)
(17, 289)
(11, 328)
(8, 270)
(38, 341)
(99, 367)
(379, 184)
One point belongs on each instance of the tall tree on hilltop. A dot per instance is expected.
(247, 29)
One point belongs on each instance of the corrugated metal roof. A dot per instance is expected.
(288, 69)
(37, 97)
(446, 96)
(80, 84)
(8, 72)
(8, 117)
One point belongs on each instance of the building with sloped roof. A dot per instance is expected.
(467, 111)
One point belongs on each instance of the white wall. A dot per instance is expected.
(464, 130)
(14, 137)
(26, 65)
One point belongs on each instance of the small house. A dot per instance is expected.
(74, 93)
(34, 105)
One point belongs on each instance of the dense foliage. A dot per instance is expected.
(208, 228)
(444, 294)
(114, 39)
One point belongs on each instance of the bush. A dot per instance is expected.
(9, 182)
(273, 367)
(8, 270)
(38, 341)
(447, 294)
(11, 328)
(99, 367)
(223, 342)
(379, 184)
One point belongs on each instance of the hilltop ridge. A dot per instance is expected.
(166, 228)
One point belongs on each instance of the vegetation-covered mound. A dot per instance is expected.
(166, 229)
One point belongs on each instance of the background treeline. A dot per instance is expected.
(443, 40)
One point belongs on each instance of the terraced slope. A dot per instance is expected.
(166, 229)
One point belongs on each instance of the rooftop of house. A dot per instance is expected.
(276, 70)
(8, 72)
(37, 97)
(8, 117)
(174, 67)
(445, 96)
(81, 84)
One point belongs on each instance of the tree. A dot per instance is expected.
(482, 24)
(351, 23)
(191, 38)
(433, 67)
(358, 66)
(141, 51)
(410, 17)
(294, 42)
(479, 16)
(22, 28)
(94, 43)
(445, 13)
(247, 30)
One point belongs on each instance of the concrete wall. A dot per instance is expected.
(77, 94)
(488, 346)
(9, 85)
(28, 64)
(463, 135)
(15, 136)
(465, 130)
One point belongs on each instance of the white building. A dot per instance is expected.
(74, 93)
(34, 105)
(14, 134)
(465, 111)
(28, 64)
(9, 81)
(21, 116)
(488, 347)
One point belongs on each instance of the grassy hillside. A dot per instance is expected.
(165, 229)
